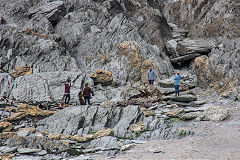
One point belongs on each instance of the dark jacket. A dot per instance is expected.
(67, 87)
(87, 92)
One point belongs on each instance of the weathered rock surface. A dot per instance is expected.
(102, 77)
(82, 120)
(216, 113)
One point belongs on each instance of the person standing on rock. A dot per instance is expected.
(177, 79)
(67, 85)
(151, 77)
(87, 94)
(80, 97)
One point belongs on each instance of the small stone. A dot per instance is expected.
(28, 150)
(139, 142)
(42, 153)
(6, 149)
(92, 150)
(23, 133)
(127, 147)
(139, 127)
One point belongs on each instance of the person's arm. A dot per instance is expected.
(92, 92)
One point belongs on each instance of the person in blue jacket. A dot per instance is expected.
(151, 77)
(177, 79)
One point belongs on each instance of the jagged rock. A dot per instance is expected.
(127, 147)
(77, 120)
(30, 129)
(54, 136)
(176, 112)
(181, 98)
(6, 83)
(2, 20)
(42, 153)
(5, 126)
(43, 87)
(10, 109)
(172, 47)
(139, 127)
(6, 149)
(6, 156)
(82, 157)
(24, 110)
(28, 150)
(38, 26)
(7, 135)
(53, 11)
(102, 77)
(104, 132)
(190, 116)
(203, 69)
(16, 116)
(106, 143)
(189, 46)
(21, 71)
(215, 113)
(148, 113)
(23, 133)
(185, 57)
(52, 146)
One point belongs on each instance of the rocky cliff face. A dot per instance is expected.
(110, 44)
(82, 37)
(219, 21)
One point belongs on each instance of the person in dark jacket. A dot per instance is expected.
(80, 97)
(87, 94)
(67, 85)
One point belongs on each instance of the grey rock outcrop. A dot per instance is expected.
(82, 120)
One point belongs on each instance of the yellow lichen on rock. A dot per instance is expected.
(148, 113)
(6, 156)
(7, 135)
(5, 126)
(21, 71)
(54, 136)
(104, 132)
(139, 127)
(24, 110)
(102, 76)
(134, 62)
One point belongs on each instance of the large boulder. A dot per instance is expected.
(205, 18)
(215, 113)
(189, 46)
(53, 11)
(21, 71)
(86, 119)
(102, 77)
(46, 86)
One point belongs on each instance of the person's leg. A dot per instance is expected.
(65, 100)
(89, 101)
(68, 98)
(175, 86)
(178, 90)
(85, 100)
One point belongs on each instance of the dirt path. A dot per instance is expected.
(212, 141)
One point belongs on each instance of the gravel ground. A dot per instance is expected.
(212, 141)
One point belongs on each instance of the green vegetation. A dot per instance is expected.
(175, 120)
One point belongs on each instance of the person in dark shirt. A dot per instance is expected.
(87, 94)
(80, 97)
(67, 85)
